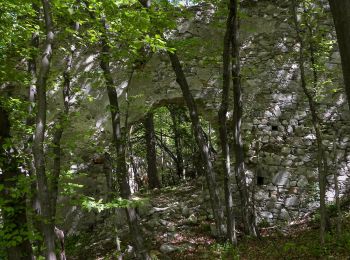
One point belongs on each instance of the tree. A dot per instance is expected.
(321, 157)
(201, 142)
(13, 194)
(152, 173)
(200, 139)
(119, 139)
(175, 117)
(222, 115)
(248, 217)
(341, 15)
(40, 126)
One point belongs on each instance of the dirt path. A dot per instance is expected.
(179, 223)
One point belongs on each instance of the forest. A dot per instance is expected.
(174, 129)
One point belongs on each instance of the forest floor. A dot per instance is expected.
(178, 225)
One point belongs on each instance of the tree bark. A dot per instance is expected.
(321, 158)
(222, 116)
(34, 208)
(247, 214)
(202, 144)
(152, 173)
(60, 126)
(341, 15)
(38, 148)
(336, 185)
(163, 146)
(14, 220)
(119, 142)
(56, 143)
(177, 140)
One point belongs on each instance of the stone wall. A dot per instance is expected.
(278, 134)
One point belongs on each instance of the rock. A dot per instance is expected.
(261, 195)
(164, 222)
(290, 129)
(185, 211)
(266, 215)
(192, 219)
(278, 205)
(155, 209)
(286, 150)
(287, 162)
(154, 254)
(154, 222)
(293, 122)
(167, 248)
(310, 137)
(281, 178)
(292, 201)
(284, 215)
(293, 183)
(271, 204)
(271, 187)
(284, 122)
(171, 228)
(302, 182)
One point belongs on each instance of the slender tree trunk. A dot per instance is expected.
(38, 148)
(134, 166)
(163, 146)
(202, 144)
(153, 180)
(336, 186)
(247, 215)
(56, 143)
(119, 141)
(33, 208)
(177, 141)
(14, 220)
(107, 169)
(321, 159)
(226, 162)
(61, 124)
(341, 15)
(134, 161)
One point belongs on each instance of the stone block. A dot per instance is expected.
(281, 178)
(287, 163)
(286, 150)
(284, 215)
(266, 214)
(293, 183)
(302, 182)
(292, 201)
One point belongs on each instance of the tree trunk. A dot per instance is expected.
(119, 142)
(336, 185)
(321, 158)
(222, 115)
(164, 148)
(202, 144)
(38, 148)
(153, 180)
(56, 143)
(33, 208)
(247, 214)
(177, 141)
(14, 220)
(60, 126)
(341, 15)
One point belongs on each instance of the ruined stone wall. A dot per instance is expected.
(278, 135)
